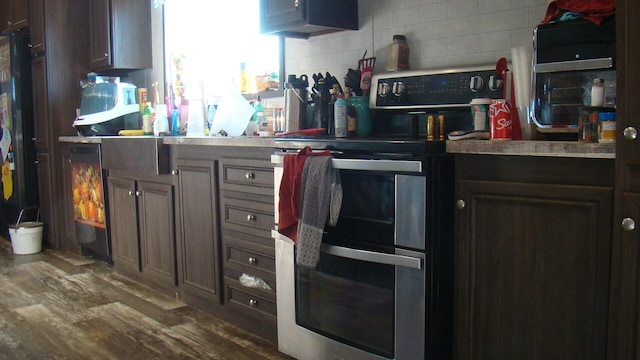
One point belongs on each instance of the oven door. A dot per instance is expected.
(366, 298)
(354, 305)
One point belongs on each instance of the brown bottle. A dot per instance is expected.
(352, 121)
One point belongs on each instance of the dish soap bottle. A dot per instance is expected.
(147, 120)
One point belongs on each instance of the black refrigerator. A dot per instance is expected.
(17, 149)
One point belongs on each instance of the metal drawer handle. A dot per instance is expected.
(253, 260)
(249, 175)
(253, 302)
(251, 218)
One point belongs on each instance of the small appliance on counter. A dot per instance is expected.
(568, 57)
(107, 108)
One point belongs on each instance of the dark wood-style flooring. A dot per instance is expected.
(57, 305)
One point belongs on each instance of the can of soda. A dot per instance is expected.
(499, 120)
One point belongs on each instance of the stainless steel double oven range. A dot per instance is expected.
(383, 286)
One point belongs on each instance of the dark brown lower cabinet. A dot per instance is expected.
(45, 193)
(199, 232)
(533, 246)
(142, 230)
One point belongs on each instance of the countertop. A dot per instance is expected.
(496, 147)
(246, 141)
(533, 148)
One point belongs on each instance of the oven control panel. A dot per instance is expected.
(434, 88)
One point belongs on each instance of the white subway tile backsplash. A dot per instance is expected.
(440, 33)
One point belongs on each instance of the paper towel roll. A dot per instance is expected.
(521, 60)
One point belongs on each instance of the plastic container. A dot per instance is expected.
(607, 127)
(147, 120)
(398, 54)
(363, 115)
(26, 236)
(597, 92)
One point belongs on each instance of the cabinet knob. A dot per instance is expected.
(628, 224)
(30, 45)
(33, 139)
(174, 172)
(253, 302)
(630, 133)
(296, 3)
(130, 192)
(460, 204)
(251, 217)
(253, 260)
(106, 54)
(138, 193)
(36, 162)
(250, 175)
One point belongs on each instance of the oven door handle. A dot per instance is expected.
(372, 256)
(367, 165)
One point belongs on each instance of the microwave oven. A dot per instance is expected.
(567, 57)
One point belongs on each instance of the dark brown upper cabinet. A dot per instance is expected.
(36, 26)
(304, 18)
(14, 15)
(120, 34)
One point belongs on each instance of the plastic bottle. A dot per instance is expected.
(160, 124)
(340, 114)
(146, 120)
(597, 92)
(175, 121)
(398, 54)
(244, 79)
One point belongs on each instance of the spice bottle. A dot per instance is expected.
(398, 54)
(597, 92)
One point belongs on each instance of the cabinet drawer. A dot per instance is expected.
(243, 255)
(254, 302)
(246, 175)
(246, 216)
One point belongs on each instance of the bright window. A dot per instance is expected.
(206, 43)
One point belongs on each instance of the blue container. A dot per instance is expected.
(363, 115)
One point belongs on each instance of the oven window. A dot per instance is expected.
(367, 212)
(350, 301)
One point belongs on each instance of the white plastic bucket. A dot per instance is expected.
(26, 236)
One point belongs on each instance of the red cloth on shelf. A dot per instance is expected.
(592, 10)
(289, 202)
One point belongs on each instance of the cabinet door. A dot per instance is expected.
(123, 224)
(274, 13)
(157, 236)
(624, 334)
(40, 103)
(45, 193)
(199, 235)
(36, 26)
(100, 33)
(532, 270)
(14, 15)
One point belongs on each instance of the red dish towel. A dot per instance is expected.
(592, 10)
(289, 202)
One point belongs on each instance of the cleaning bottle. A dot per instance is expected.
(175, 121)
